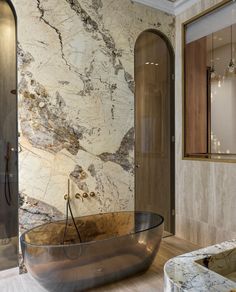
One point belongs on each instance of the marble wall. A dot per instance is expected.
(205, 191)
(76, 103)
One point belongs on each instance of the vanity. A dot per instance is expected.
(210, 269)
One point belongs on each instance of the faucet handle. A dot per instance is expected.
(77, 196)
(92, 194)
(85, 195)
(66, 197)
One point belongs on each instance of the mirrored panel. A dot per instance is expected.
(210, 84)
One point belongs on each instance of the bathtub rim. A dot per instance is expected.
(22, 240)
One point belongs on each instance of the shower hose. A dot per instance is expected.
(7, 187)
(68, 208)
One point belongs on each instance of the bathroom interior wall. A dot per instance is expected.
(205, 191)
(76, 103)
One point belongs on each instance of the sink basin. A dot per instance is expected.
(223, 263)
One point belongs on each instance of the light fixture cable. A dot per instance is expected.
(231, 67)
(213, 73)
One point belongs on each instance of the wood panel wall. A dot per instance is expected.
(196, 128)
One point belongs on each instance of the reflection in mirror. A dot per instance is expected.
(220, 48)
(210, 84)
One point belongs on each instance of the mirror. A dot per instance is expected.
(210, 84)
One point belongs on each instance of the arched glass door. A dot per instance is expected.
(154, 126)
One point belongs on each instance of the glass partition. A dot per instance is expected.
(154, 126)
(8, 140)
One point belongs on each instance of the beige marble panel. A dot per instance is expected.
(76, 102)
(205, 191)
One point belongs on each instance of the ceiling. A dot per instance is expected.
(169, 6)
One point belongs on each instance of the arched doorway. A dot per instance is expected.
(154, 127)
(8, 138)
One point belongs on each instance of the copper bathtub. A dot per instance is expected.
(114, 246)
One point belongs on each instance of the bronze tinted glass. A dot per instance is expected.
(210, 85)
(8, 140)
(154, 126)
(114, 246)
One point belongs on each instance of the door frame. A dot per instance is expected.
(172, 125)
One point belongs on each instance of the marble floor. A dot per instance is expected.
(150, 281)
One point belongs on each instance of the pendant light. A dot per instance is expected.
(212, 71)
(231, 66)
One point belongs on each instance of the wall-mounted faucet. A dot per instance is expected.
(66, 197)
(85, 195)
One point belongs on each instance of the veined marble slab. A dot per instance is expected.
(76, 103)
(183, 273)
(223, 263)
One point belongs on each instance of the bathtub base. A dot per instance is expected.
(103, 277)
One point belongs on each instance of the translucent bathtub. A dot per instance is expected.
(114, 246)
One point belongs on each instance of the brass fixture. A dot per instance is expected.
(77, 196)
(66, 197)
(83, 175)
(92, 194)
(85, 195)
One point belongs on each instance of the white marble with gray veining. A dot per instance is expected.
(182, 273)
(76, 102)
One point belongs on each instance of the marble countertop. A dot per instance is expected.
(182, 273)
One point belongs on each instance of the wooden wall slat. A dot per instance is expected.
(196, 129)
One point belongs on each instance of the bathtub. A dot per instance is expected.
(114, 246)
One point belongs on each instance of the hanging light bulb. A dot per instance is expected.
(212, 71)
(231, 66)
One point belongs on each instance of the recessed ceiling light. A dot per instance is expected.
(147, 63)
(156, 64)
(152, 63)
